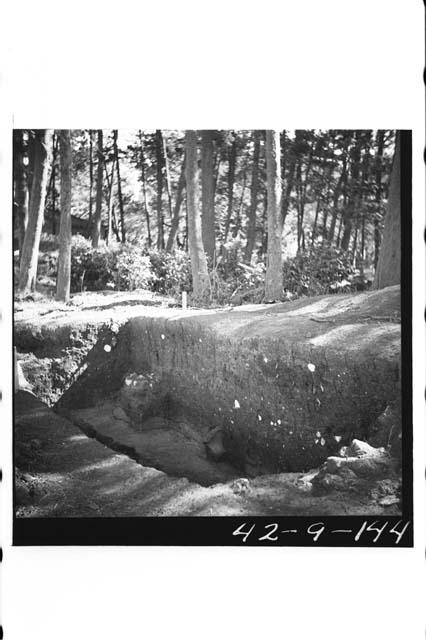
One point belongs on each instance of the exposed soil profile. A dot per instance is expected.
(290, 408)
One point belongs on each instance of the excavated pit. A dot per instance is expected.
(212, 396)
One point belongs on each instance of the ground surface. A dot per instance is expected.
(287, 384)
(62, 472)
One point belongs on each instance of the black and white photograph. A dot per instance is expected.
(208, 323)
(212, 294)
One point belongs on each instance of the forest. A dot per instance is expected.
(229, 216)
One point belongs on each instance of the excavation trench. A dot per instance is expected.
(218, 395)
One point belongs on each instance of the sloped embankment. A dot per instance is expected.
(286, 385)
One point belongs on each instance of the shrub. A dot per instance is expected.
(324, 269)
(172, 271)
(92, 269)
(132, 269)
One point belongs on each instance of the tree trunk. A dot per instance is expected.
(200, 276)
(21, 186)
(349, 213)
(299, 206)
(238, 219)
(63, 279)
(110, 202)
(289, 188)
(207, 194)
(42, 153)
(273, 278)
(388, 270)
(178, 204)
(31, 157)
(120, 195)
(264, 245)
(337, 193)
(251, 226)
(379, 159)
(51, 184)
(314, 226)
(54, 195)
(89, 223)
(167, 172)
(97, 222)
(159, 157)
(232, 156)
(145, 199)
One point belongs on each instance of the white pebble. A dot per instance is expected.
(162, 336)
(107, 348)
(337, 438)
(311, 367)
(322, 441)
(236, 404)
(318, 434)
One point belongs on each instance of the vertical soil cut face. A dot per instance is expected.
(218, 395)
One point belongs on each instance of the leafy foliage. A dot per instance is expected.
(171, 271)
(324, 269)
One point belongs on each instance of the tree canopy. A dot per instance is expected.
(133, 191)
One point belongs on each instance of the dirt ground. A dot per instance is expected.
(90, 462)
(60, 471)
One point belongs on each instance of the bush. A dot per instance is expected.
(132, 269)
(171, 271)
(91, 269)
(325, 269)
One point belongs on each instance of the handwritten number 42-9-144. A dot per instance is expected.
(271, 532)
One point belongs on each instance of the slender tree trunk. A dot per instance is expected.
(110, 202)
(63, 279)
(31, 158)
(97, 222)
(251, 226)
(273, 278)
(326, 208)
(355, 245)
(240, 207)
(379, 160)
(21, 186)
(337, 193)
(349, 213)
(388, 270)
(264, 246)
(299, 206)
(362, 251)
(50, 184)
(54, 197)
(89, 224)
(145, 199)
(112, 220)
(207, 194)
(289, 188)
(160, 220)
(120, 195)
(42, 153)
(178, 204)
(200, 276)
(314, 226)
(232, 156)
(167, 172)
(115, 224)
